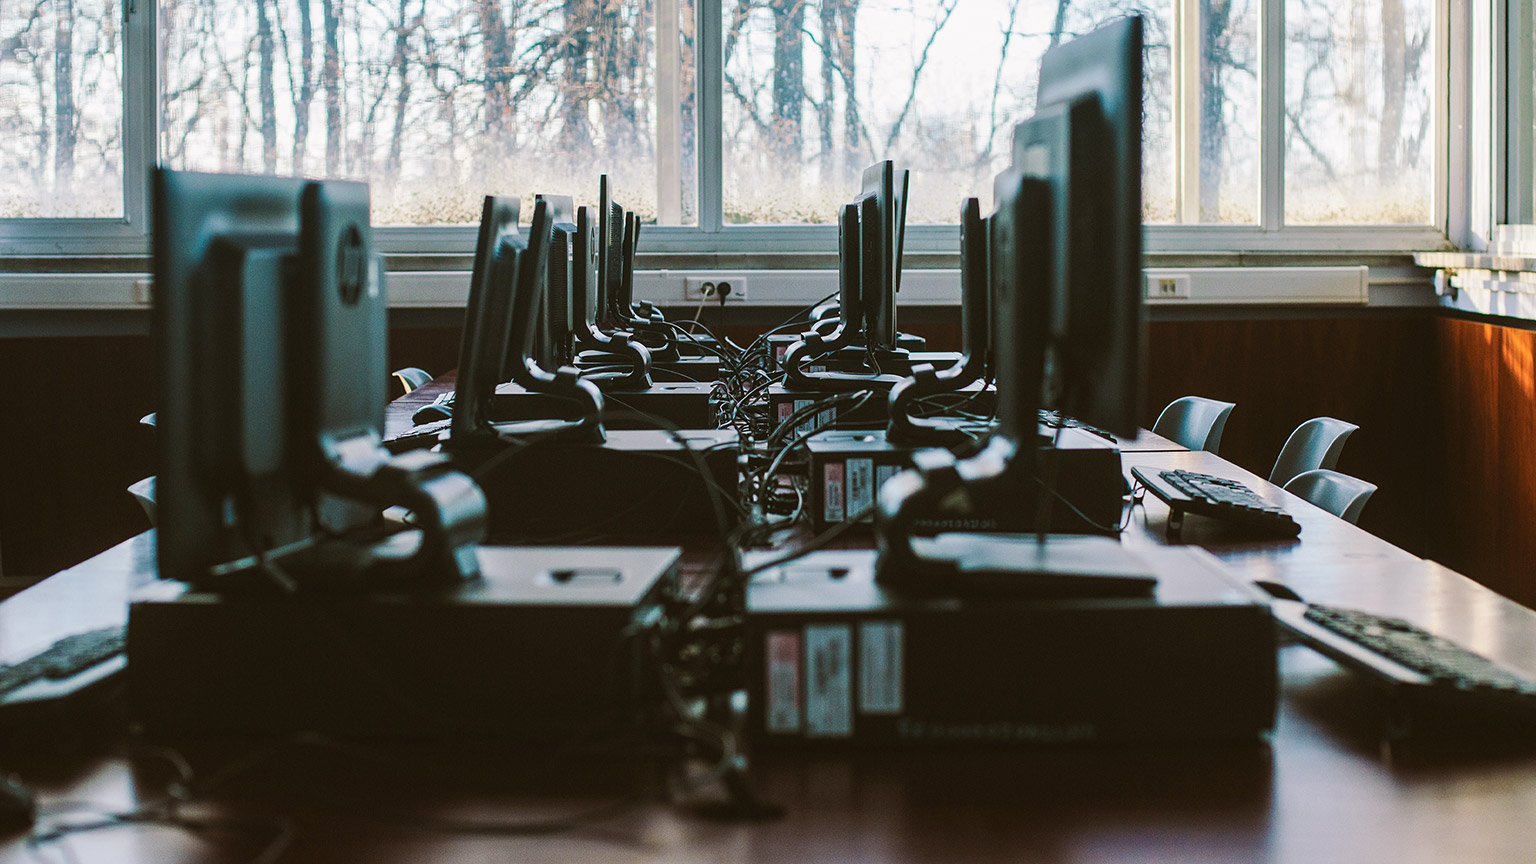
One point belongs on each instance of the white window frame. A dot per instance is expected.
(1455, 207)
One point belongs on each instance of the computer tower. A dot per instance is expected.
(834, 659)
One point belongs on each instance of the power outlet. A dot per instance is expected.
(709, 288)
(1173, 287)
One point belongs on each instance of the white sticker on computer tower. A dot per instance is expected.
(884, 473)
(782, 703)
(832, 492)
(785, 410)
(880, 663)
(807, 425)
(861, 486)
(828, 680)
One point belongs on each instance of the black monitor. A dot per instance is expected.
(1086, 139)
(269, 326)
(557, 323)
(882, 231)
(221, 249)
(610, 264)
(482, 347)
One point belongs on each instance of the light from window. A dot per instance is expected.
(435, 102)
(61, 109)
(1359, 112)
(815, 91)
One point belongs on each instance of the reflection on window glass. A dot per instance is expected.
(61, 109)
(1359, 94)
(435, 102)
(815, 90)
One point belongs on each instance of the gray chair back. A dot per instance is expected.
(1340, 494)
(1195, 422)
(1316, 443)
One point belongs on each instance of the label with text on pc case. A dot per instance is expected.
(884, 473)
(782, 711)
(861, 486)
(808, 425)
(828, 680)
(832, 492)
(880, 663)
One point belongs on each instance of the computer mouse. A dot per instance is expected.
(1277, 590)
(17, 807)
(430, 413)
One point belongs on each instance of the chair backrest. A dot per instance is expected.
(410, 377)
(1340, 494)
(144, 493)
(1316, 443)
(1195, 422)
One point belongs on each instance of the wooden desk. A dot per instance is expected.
(1322, 791)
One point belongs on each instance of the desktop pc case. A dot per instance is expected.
(847, 467)
(632, 485)
(834, 659)
(530, 652)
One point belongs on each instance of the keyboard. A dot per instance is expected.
(1217, 497)
(417, 437)
(1430, 670)
(64, 659)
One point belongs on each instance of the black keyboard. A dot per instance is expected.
(1217, 497)
(417, 437)
(64, 659)
(1431, 668)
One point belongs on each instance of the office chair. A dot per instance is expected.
(144, 493)
(410, 377)
(1316, 443)
(1340, 494)
(1195, 422)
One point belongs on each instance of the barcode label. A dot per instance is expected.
(783, 697)
(861, 486)
(808, 425)
(832, 492)
(828, 680)
(880, 662)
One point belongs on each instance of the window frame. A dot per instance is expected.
(129, 235)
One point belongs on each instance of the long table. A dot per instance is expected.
(1322, 789)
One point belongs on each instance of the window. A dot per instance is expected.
(721, 121)
(61, 109)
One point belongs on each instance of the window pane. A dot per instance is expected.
(436, 102)
(817, 89)
(61, 109)
(1359, 104)
(1228, 114)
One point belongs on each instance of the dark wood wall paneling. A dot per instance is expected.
(1446, 409)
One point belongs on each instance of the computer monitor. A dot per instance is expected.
(481, 348)
(558, 321)
(1086, 139)
(222, 247)
(269, 324)
(881, 233)
(610, 263)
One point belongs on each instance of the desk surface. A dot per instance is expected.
(1322, 790)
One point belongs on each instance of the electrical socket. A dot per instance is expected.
(1170, 287)
(698, 288)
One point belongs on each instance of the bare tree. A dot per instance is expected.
(788, 79)
(64, 94)
(306, 95)
(268, 93)
(330, 82)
